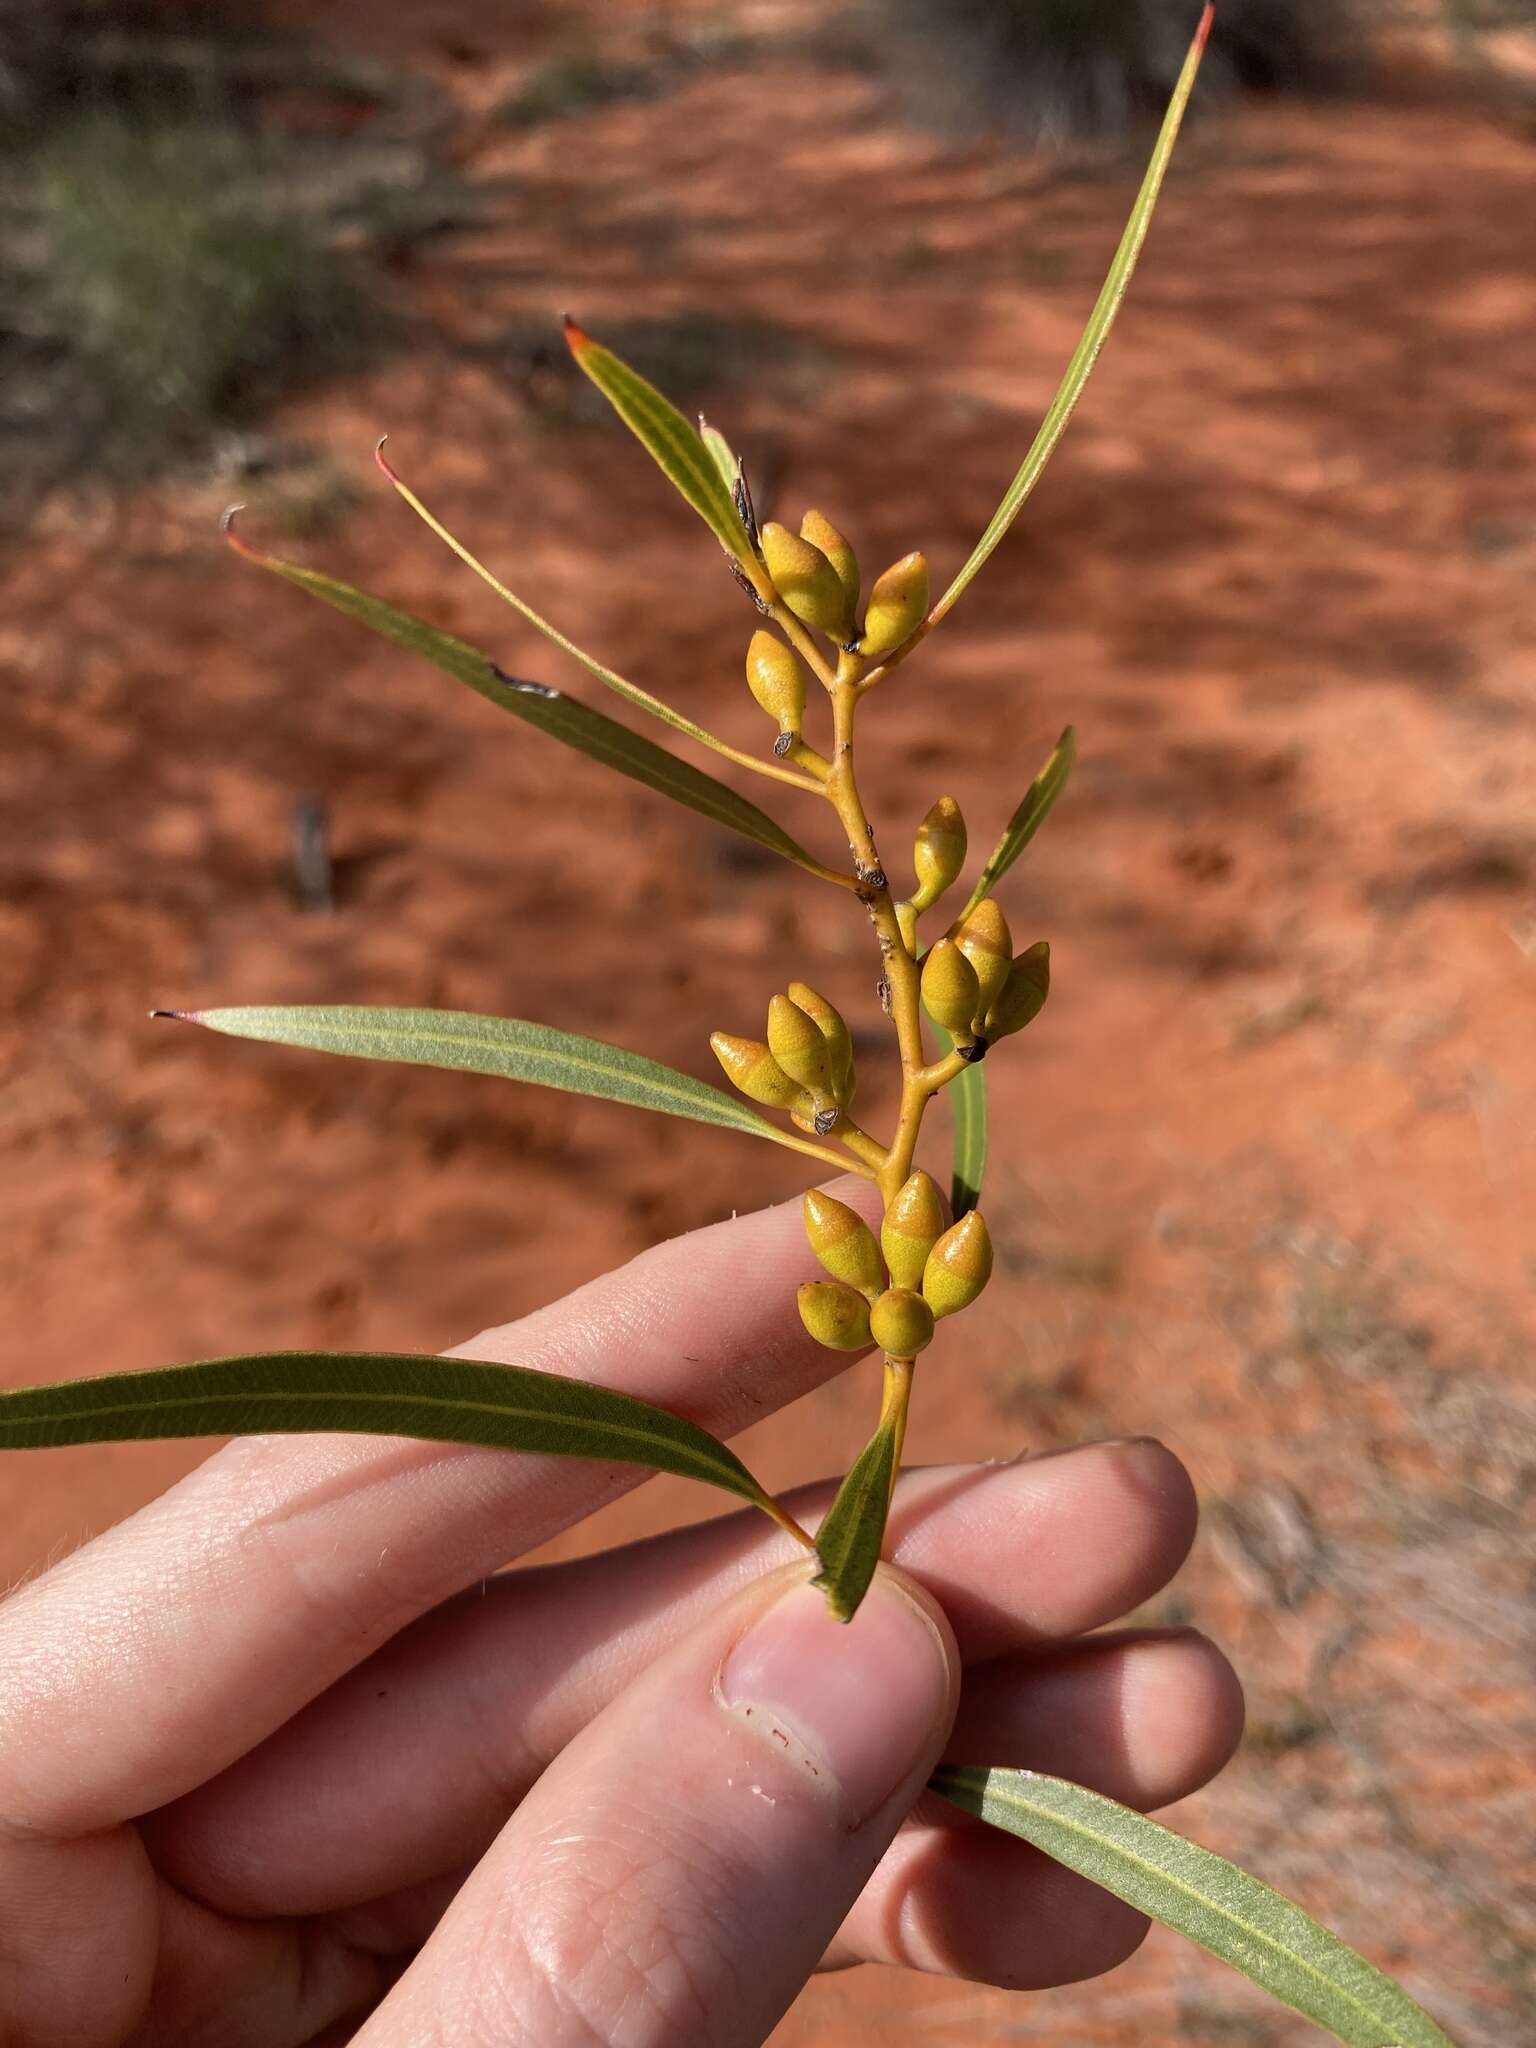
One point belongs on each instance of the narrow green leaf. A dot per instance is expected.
(848, 1541)
(564, 718)
(968, 1115)
(673, 444)
(382, 1393)
(1099, 322)
(1027, 819)
(609, 678)
(1255, 1929)
(722, 452)
(503, 1046)
(967, 1098)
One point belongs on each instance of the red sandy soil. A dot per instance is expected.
(1262, 1176)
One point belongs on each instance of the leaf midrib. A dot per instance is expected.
(1156, 1870)
(337, 1034)
(452, 1403)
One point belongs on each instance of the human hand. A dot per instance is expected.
(279, 1765)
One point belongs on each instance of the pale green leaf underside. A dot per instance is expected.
(672, 442)
(1236, 1917)
(848, 1541)
(721, 452)
(563, 718)
(380, 1393)
(1027, 819)
(503, 1046)
(1099, 322)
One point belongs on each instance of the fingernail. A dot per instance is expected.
(858, 1704)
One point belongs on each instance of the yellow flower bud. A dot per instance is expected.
(898, 604)
(839, 1039)
(1023, 993)
(835, 1315)
(821, 533)
(938, 852)
(959, 1266)
(843, 1242)
(985, 940)
(797, 1044)
(752, 1068)
(911, 1228)
(901, 1322)
(777, 680)
(951, 992)
(803, 577)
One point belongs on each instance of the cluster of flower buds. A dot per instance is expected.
(806, 1065)
(816, 573)
(891, 1291)
(974, 986)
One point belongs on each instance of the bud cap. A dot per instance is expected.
(821, 533)
(912, 1226)
(829, 1021)
(938, 852)
(901, 1322)
(803, 577)
(959, 1266)
(797, 1044)
(835, 1315)
(898, 604)
(1023, 994)
(951, 992)
(777, 680)
(843, 1242)
(985, 940)
(752, 1068)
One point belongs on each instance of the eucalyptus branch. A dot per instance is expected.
(888, 1287)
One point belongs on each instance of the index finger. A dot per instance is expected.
(171, 1645)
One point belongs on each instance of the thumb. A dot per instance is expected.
(678, 1871)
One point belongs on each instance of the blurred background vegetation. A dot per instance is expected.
(199, 216)
(202, 208)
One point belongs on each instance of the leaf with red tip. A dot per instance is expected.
(676, 447)
(1100, 321)
(563, 718)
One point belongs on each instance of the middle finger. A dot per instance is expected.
(461, 1712)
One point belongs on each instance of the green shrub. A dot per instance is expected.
(573, 84)
(172, 270)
